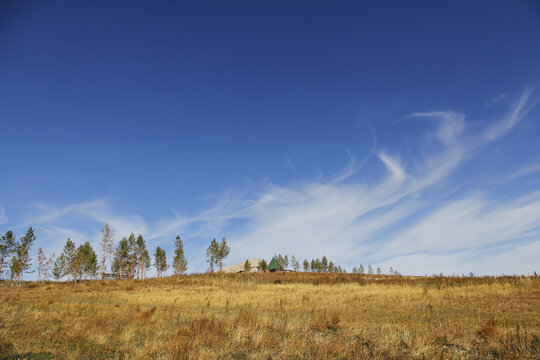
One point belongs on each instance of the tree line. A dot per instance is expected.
(283, 262)
(370, 270)
(315, 265)
(130, 257)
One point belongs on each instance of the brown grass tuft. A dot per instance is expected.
(489, 330)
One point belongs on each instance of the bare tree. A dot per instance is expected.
(107, 247)
(44, 265)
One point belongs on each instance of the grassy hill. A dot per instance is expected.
(278, 316)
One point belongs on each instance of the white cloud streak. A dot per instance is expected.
(393, 165)
(526, 170)
(520, 109)
(99, 211)
(467, 224)
(451, 125)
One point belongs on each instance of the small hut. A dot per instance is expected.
(274, 266)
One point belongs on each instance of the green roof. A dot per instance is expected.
(273, 265)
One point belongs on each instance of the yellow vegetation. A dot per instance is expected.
(274, 316)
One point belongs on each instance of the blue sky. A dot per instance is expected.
(400, 134)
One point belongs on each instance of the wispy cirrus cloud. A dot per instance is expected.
(526, 170)
(500, 128)
(498, 100)
(393, 165)
(357, 221)
(387, 218)
(468, 224)
(451, 125)
(100, 211)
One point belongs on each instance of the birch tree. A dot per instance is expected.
(44, 265)
(107, 247)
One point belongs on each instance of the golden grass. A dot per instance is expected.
(275, 316)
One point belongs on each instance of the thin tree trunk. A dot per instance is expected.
(103, 268)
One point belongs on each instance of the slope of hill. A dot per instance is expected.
(261, 316)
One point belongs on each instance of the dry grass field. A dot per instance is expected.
(274, 316)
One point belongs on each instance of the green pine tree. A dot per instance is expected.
(160, 261)
(125, 256)
(331, 267)
(7, 248)
(280, 260)
(21, 260)
(180, 264)
(141, 257)
(324, 264)
(223, 252)
(147, 262)
(318, 265)
(86, 261)
(70, 259)
(59, 267)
